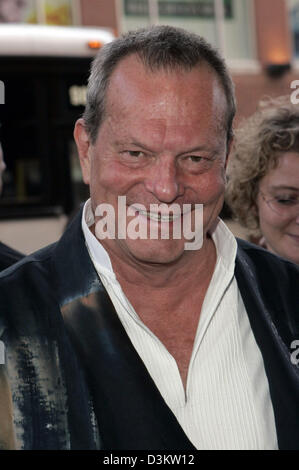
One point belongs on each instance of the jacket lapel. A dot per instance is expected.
(274, 339)
(130, 410)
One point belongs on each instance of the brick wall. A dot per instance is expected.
(99, 13)
(251, 88)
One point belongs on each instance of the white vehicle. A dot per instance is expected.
(43, 74)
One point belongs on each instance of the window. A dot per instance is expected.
(294, 21)
(51, 12)
(198, 16)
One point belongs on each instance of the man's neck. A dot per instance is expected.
(188, 269)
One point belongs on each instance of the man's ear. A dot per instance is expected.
(84, 145)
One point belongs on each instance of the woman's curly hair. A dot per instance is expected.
(272, 129)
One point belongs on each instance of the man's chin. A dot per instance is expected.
(156, 251)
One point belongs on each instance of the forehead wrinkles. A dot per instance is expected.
(131, 81)
(193, 98)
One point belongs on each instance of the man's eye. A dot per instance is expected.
(134, 158)
(135, 153)
(195, 158)
(196, 163)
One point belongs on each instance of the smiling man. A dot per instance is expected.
(138, 342)
(159, 143)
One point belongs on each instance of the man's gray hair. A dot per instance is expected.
(158, 47)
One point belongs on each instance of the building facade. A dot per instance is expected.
(258, 38)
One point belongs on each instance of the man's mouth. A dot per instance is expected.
(296, 237)
(158, 217)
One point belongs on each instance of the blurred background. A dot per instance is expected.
(45, 51)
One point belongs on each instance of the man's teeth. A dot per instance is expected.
(159, 217)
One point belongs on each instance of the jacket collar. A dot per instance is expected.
(74, 270)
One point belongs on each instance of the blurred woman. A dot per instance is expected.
(263, 171)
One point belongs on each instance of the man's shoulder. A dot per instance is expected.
(264, 259)
(26, 264)
(27, 294)
(42, 282)
(8, 256)
(275, 278)
(27, 281)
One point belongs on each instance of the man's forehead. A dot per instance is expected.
(134, 69)
(132, 81)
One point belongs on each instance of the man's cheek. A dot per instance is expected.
(213, 190)
(105, 176)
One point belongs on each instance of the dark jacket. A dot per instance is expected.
(73, 377)
(8, 256)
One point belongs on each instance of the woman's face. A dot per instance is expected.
(278, 207)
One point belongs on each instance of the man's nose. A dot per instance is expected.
(163, 181)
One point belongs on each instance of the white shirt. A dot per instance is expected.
(227, 403)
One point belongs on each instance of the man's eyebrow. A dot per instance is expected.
(199, 148)
(132, 142)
